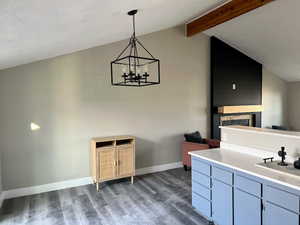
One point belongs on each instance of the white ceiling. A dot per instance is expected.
(32, 30)
(270, 34)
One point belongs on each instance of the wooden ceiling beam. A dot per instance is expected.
(222, 14)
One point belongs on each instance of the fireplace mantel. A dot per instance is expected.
(240, 109)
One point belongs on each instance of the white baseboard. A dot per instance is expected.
(75, 182)
(46, 187)
(163, 167)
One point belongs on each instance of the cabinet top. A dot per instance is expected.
(112, 138)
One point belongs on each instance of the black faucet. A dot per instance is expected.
(282, 154)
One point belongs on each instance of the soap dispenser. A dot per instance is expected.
(297, 163)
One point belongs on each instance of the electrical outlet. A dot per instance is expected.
(234, 86)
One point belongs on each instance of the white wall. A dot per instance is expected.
(294, 105)
(71, 98)
(275, 100)
(264, 140)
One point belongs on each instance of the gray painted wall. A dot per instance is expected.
(0, 175)
(72, 100)
(294, 105)
(275, 100)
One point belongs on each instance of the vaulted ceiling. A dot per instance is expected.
(270, 34)
(32, 30)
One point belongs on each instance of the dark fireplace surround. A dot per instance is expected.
(236, 80)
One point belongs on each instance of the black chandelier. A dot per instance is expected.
(132, 69)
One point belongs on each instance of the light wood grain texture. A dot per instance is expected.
(222, 14)
(240, 109)
(112, 158)
(112, 138)
(125, 160)
(107, 163)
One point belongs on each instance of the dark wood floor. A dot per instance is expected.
(159, 198)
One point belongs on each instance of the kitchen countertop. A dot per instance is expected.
(246, 163)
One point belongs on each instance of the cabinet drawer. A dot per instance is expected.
(201, 178)
(274, 215)
(282, 198)
(222, 175)
(201, 204)
(200, 167)
(201, 190)
(247, 185)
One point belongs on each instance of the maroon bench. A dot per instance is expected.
(191, 146)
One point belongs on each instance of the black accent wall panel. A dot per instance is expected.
(230, 66)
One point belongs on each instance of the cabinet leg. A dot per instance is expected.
(97, 186)
(132, 180)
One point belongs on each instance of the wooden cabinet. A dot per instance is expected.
(125, 160)
(106, 160)
(112, 158)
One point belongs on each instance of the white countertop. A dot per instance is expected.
(285, 133)
(247, 164)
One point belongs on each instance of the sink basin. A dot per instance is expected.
(287, 170)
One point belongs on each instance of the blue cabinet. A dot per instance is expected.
(247, 208)
(276, 215)
(232, 197)
(282, 198)
(281, 206)
(201, 187)
(201, 204)
(222, 207)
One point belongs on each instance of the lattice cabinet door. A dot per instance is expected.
(112, 158)
(125, 160)
(107, 163)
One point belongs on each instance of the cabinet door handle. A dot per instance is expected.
(263, 206)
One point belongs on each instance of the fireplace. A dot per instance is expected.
(242, 120)
(236, 88)
(250, 119)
